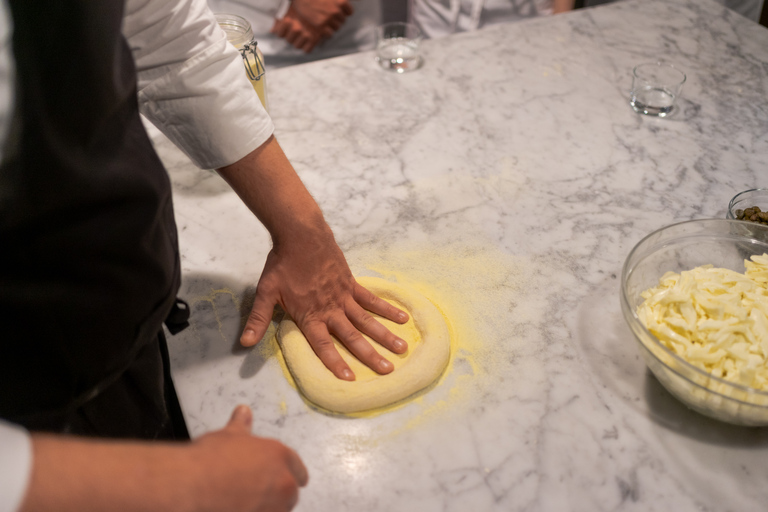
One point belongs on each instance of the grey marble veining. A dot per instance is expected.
(511, 177)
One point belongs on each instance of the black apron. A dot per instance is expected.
(89, 264)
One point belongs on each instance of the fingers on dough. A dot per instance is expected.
(426, 333)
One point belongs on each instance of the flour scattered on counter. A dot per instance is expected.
(468, 283)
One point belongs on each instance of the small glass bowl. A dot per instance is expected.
(748, 198)
(722, 243)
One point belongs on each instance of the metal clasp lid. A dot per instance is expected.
(247, 51)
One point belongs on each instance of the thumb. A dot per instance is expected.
(241, 419)
(258, 320)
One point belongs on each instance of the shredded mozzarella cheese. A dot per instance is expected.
(714, 318)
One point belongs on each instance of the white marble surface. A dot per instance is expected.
(510, 177)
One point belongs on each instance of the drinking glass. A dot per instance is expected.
(655, 88)
(397, 46)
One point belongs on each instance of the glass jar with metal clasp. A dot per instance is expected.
(240, 35)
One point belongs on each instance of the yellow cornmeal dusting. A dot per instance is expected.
(469, 284)
(466, 285)
(411, 335)
(212, 299)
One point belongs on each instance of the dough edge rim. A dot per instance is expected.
(356, 396)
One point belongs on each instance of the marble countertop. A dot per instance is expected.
(510, 178)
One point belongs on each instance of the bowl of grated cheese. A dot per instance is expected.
(695, 295)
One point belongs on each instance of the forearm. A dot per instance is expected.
(228, 469)
(306, 272)
(269, 186)
(81, 475)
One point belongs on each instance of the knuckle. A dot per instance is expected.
(256, 316)
(350, 335)
(362, 349)
(366, 322)
(324, 346)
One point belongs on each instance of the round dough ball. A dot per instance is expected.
(426, 333)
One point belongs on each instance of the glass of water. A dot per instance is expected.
(397, 46)
(655, 87)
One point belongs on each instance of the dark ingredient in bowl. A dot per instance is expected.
(753, 214)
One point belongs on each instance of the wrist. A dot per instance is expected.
(303, 231)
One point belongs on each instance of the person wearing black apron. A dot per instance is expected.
(89, 265)
(89, 271)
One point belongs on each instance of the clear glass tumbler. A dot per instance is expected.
(655, 88)
(397, 46)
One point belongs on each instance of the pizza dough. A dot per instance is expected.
(426, 333)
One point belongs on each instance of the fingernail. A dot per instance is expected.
(400, 345)
(402, 316)
(385, 365)
(242, 414)
(248, 337)
(347, 374)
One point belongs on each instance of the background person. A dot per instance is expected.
(439, 18)
(748, 8)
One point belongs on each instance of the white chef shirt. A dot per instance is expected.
(183, 61)
(179, 82)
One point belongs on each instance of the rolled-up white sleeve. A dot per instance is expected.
(192, 82)
(15, 465)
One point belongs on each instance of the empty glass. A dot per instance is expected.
(655, 88)
(397, 46)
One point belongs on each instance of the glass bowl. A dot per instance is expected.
(747, 199)
(722, 243)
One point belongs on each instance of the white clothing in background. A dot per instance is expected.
(356, 34)
(748, 8)
(439, 18)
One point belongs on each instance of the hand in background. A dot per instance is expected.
(298, 33)
(323, 13)
(307, 22)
